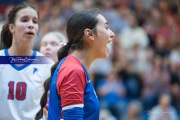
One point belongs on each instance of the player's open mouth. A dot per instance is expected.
(30, 33)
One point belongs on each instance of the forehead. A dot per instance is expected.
(50, 37)
(101, 19)
(28, 11)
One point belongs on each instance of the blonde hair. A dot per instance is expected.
(59, 35)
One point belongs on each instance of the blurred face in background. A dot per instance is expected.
(165, 101)
(50, 45)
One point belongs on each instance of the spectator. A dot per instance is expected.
(164, 110)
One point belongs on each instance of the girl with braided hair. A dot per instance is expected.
(72, 96)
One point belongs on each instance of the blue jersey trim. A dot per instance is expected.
(18, 68)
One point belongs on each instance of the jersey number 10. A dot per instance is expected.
(20, 90)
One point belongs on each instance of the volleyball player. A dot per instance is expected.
(72, 96)
(21, 85)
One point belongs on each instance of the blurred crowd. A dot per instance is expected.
(141, 78)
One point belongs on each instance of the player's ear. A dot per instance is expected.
(89, 34)
(11, 28)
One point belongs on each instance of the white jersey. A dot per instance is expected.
(21, 89)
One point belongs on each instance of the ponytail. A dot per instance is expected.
(6, 36)
(63, 52)
(76, 25)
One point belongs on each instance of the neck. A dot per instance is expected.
(84, 56)
(20, 51)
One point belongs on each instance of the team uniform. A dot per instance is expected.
(21, 88)
(72, 96)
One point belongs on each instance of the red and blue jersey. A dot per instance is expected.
(72, 95)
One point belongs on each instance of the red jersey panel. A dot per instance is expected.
(71, 82)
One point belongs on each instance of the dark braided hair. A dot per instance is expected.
(76, 25)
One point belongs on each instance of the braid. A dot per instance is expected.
(43, 100)
(63, 52)
(76, 25)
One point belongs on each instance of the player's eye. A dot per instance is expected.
(24, 19)
(54, 44)
(35, 21)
